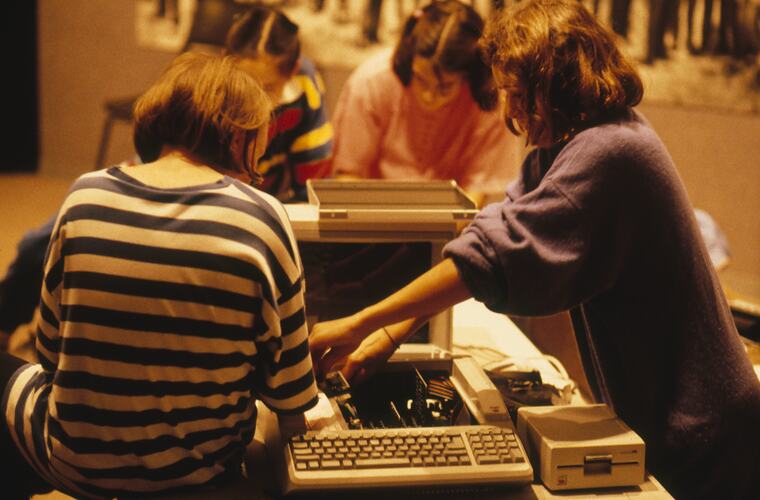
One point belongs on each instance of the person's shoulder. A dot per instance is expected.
(619, 154)
(627, 136)
(376, 68)
(306, 82)
(253, 193)
(90, 179)
(307, 67)
(307, 75)
(260, 198)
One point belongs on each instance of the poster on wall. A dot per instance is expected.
(695, 53)
(701, 53)
(163, 24)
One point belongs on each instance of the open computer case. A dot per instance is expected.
(360, 241)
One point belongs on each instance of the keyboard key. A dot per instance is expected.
(455, 453)
(455, 443)
(488, 459)
(381, 463)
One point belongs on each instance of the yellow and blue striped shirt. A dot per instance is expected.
(301, 137)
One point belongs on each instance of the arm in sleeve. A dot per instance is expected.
(310, 152)
(359, 130)
(20, 288)
(48, 341)
(543, 252)
(284, 375)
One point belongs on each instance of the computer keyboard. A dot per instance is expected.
(427, 456)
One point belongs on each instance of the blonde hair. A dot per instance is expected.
(198, 104)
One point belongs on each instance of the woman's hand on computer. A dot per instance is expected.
(360, 362)
(331, 341)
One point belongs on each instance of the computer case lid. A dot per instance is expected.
(406, 205)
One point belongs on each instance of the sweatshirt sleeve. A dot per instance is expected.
(359, 127)
(553, 247)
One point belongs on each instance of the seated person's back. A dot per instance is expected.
(172, 301)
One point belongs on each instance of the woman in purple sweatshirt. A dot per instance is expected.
(598, 223)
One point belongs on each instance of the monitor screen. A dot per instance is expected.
(343, 278)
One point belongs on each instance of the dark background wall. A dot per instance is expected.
(19, 37)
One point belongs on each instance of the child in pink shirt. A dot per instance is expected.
(428, 110)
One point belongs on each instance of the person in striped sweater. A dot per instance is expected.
(172, 301)
(267, 45)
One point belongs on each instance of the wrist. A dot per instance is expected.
(362, 326)
(393, 341)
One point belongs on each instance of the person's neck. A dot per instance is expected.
(175, 168)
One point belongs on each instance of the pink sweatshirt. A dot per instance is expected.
(382, 132)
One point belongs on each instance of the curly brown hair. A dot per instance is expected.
(561, 69)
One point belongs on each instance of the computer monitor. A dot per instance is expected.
(344, 277)
(360, 241)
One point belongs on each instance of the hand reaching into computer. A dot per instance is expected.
(403, 312)
(333, 342)
(357, 362)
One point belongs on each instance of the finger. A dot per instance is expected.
(317, 342)
(363, 373)
(332, 357)
(316, 362)
(351, 369)
(358, 377)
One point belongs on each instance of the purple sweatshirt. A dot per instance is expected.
(602, 226)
